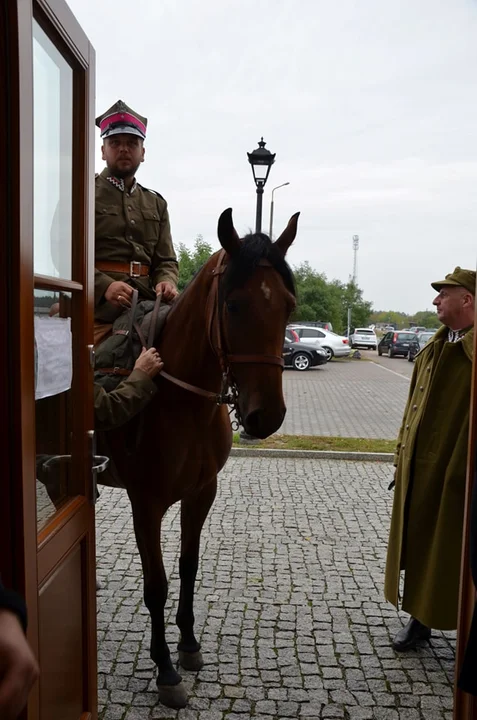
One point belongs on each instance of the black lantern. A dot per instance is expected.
(261, 161)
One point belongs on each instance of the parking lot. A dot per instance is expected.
(348, 398)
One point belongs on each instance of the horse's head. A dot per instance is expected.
(256, 297)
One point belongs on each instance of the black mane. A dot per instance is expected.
(253, 248)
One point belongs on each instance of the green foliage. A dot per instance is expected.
(425, 318)
(190, 261)
(322, 300)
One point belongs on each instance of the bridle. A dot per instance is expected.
(229, 391)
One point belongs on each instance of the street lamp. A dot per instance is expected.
(271, 207)
(261, 161)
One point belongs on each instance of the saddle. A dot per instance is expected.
(137, 327)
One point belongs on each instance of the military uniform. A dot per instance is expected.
(425, 537)
(115, 408)
(132, 233)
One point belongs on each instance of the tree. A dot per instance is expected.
(321, 300)
(424, 318)
(352, 297)
(190, 261)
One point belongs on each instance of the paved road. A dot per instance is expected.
(348, 398)
(289, 605)
(399, 365)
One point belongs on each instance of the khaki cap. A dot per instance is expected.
(462, 277)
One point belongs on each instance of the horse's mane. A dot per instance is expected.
(253, 248)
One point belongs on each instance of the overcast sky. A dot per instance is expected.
(370, 106)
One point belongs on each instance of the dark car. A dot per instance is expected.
(418, 343)
(396, 343)
(300, 356)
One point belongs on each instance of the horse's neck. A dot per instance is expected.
(185, 346)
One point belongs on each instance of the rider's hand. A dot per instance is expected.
(119, 293)
(149, 361)
(18, 668)
(168, 290)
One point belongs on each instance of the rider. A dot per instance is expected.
(114, 408)
(133, 236)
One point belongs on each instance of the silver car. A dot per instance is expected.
(334, 345)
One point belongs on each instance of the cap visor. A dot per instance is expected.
(442, 283)
(123, 130)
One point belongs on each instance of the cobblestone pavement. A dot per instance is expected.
(289, 604)
(347, 398)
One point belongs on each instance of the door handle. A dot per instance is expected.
(54, 460)
(92, 356)
(100, 463)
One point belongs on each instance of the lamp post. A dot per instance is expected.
(271, 207)
(261, 161)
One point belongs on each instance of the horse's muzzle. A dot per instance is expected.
(262, 423)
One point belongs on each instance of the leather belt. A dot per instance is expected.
(134, 269)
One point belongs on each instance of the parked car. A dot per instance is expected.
(291, 335)
(301, 356)
(418, 329)
(363, 337)
(335, 345)
(321, 324)
(396, 343)
(418, 343)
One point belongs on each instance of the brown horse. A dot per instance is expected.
(225, 331)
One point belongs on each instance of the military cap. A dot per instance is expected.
(462, 277)
(121, 119)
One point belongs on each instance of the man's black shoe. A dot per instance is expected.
(410, 635)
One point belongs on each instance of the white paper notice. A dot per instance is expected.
(53, 356)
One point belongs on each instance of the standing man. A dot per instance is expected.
(133, 236)
(427, 519)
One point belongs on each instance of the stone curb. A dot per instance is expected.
(315, 454)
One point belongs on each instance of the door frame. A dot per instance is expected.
(465, 705)
(27, 557)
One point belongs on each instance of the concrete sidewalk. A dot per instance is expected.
(289, 603)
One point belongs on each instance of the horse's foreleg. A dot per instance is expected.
(147, 526)
(194, 511)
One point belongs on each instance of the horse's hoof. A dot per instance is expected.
(191, 660)
(173, 696)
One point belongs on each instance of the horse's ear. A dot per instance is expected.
(228, 236)
(288, 235)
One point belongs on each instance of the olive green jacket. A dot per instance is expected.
(427, 518)
(131, 227)
(114, 408)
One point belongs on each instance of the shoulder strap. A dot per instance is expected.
(154, 192)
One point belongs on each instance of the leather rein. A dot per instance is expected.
(228, 394)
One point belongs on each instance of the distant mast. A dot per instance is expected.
(355, 258)
(355, 276)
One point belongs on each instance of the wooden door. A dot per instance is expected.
(47, 85)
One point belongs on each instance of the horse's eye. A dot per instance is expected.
(232, 306)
